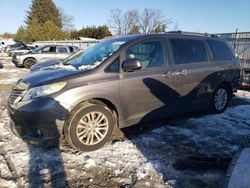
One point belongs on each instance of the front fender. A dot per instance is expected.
(72, 97)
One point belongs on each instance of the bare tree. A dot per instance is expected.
(116, 21)
(67, 20)
(152, 20)
(176, 26)
(7, 35)
(134, 22)
(131, 22)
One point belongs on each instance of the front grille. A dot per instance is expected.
(14, 94)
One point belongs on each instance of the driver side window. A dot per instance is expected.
(150, 54)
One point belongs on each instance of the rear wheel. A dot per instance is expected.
(220, 99)
(89, 127)
(29, 62)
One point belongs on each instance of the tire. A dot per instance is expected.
(220, 99)
(83, 132)
(29, 62)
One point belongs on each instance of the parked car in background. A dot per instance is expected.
(19, 47)
(51, 62)
(42, 53)
(4, 43)
(121, 82)
(2, 46)
(21, 50)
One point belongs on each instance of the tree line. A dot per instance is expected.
(46, 21)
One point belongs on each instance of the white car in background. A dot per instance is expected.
(2, 46)
(58, 52)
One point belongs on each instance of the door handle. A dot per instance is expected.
(169, 74)
(182, 72)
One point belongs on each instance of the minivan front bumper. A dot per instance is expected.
(40, 121)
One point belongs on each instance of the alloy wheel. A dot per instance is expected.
(220, 99)
(92, 128)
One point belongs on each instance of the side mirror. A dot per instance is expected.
(130, 65)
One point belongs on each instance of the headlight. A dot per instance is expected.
(44, 90)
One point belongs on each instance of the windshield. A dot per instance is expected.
(95, 55)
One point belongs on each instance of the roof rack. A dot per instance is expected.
(192, 33)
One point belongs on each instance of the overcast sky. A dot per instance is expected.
(211, 16)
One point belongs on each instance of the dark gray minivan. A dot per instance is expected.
(121, 82)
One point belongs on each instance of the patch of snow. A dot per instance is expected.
(12, 70)
(7, 183)
(87, 67)
(117, 172)
(171, 182)
(5, 171)
(108, 163)
(90, 163)
(242, 93)
(44, 171)
(60, 66)
(118, 43)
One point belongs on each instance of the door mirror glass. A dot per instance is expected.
(131, 65)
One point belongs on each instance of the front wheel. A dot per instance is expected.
(220, 99)
(89, 127)
(29, 62)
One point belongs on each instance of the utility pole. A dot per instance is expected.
(235, 38)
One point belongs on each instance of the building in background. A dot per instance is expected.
(82, 43)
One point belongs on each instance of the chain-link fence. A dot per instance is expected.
(240, 41)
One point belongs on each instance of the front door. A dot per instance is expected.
(48, 52)
(147, 94)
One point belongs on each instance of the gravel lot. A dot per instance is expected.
(191, 150)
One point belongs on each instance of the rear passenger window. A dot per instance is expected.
(149, 53)
(62, 50)
(188, 51)
(220, 50)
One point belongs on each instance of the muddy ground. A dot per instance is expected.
(189, 150)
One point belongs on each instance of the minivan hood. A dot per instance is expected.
(43, 77)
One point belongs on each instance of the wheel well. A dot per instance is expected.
(101, 101)
(29, 58)
(109, 104)
(228, 85)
